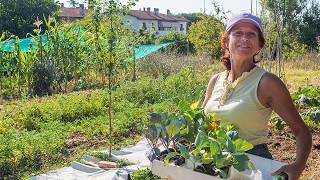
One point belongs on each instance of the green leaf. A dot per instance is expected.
(214, 146)
(183, 151)
(242, 164)
(206, 158)
(173, 128)
(230, 146)
(201, 137)
(242, 145)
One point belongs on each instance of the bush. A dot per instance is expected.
(42, 79)
(205, 35)
(179, 42)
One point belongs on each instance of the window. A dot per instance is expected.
(181, 27)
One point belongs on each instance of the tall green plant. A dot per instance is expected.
(109, 41)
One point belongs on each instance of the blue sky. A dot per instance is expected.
(188, 6)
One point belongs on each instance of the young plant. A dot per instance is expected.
(200, 139)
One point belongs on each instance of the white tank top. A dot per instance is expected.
(242, 107)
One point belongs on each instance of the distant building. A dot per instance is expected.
(71, 14)
(162, 23)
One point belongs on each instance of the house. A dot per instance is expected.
(72, 14)
(162, 23)
(137, 19)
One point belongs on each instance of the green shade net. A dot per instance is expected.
(28, 44)
(145, 50)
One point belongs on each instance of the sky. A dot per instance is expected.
(189, 6)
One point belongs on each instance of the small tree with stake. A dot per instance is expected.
(109, 41)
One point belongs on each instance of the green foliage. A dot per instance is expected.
(185, 85)
(198, 138)
(61, 116)
(307, 96)
(17, 16)
(307, 100)
(25, 151)
(180, 44)
(192, 17)
(292, 48)
(300, 20)
(205, 35)
(310, 25)
(144, 174)
(42, 80)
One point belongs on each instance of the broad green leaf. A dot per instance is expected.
(153, 133)
(155, 117)
(230, 146)
(222, 161)
(242, 145)
(183, 151)
(242, 164)
(214, 146)
(201, 137)
(173, 128)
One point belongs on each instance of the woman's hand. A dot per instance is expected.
(293, 170)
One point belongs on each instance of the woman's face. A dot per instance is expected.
(243, 40)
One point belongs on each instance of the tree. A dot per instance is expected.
(17, 16)
(73, 3)
(310, 25)
(205, 35)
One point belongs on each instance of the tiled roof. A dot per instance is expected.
(145, 15)
(71, 12)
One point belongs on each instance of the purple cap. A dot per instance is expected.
(247, 17)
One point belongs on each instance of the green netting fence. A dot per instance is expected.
(29, 44)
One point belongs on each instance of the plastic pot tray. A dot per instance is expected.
(265, 168)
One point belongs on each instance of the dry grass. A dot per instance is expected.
(297, 73)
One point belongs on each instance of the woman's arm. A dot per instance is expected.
(274, 94)
(210, 86)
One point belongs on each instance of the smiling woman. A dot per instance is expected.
(245, 94)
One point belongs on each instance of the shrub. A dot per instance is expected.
(205, 35)
(179, 42)
(42, 79)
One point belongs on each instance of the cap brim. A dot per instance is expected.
(245, 20)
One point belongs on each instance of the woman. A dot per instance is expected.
(245, 94)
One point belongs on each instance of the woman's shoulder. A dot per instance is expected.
(271, 84)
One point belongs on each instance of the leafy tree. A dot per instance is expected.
(310, 25)
(17, 16)
(192, 17)
(73, 3)
(109, 41)
(205, 35)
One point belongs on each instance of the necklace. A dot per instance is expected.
(229, 87)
